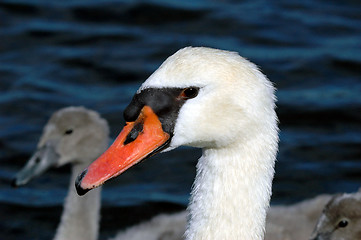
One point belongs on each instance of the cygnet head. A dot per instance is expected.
(199, 97)
(340, 219)
(73, 135)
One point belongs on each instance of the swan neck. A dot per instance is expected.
(80, 217)
(231, 193)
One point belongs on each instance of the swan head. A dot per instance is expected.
(72, 135)
(198, 97)
(340, 219)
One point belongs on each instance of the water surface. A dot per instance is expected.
(96, 54)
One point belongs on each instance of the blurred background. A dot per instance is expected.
(96, 54)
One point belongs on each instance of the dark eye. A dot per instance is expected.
(68, 131)
(37, 160)
(342, 223)
(190, 92)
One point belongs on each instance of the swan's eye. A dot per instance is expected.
(68, 131)
(190, 92)
(37, 160)
(342, 223)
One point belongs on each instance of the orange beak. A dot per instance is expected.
(137, 140)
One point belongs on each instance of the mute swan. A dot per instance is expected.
(340, 219)
(78, 136)
(218, 101)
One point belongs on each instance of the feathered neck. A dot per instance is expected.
(232, 189)
(80, 218)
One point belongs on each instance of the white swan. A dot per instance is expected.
(222, 103)
(78, 136)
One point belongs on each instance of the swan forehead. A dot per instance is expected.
(347, 205)
(202, 67)
(74, 117)
(82, 121)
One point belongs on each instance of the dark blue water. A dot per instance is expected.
(96, 53)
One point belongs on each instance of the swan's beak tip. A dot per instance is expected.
(79, 189)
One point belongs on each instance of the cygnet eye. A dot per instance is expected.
(190, 92)
(68, 131)
(343, 223)
(37, 160)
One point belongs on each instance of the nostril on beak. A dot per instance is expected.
(133, 134)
